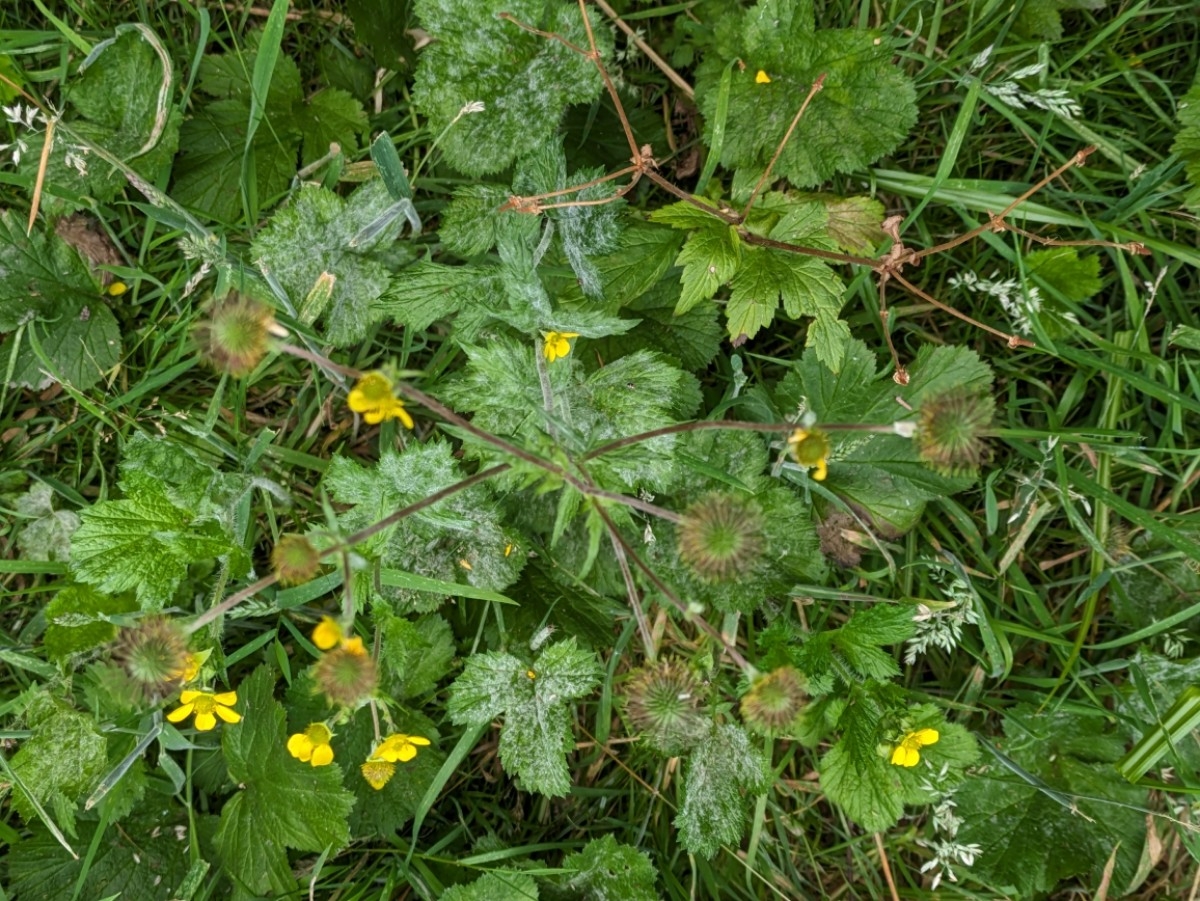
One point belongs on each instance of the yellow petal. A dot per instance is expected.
(822, 471)
(300, 747)
(404, 417)
(229, 716)
(762, 77)
(927, 737)
(205, 721)
(228, 698)
(116, 289)
(356, 400)
(405, 753)
(186, 697)
(322, 755)
(417, 740)
(327, 633)
(905, 756)
(181, 713)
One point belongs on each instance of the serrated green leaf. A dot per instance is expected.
(1076, 278)
(139, 859)
(77, 620)
(606, 870)
(536, 735)
(142, 543)
(473, 222)
(643, 255)
(45, 284)
(853, 222)
(433, 542)
(881, 473)
(331, 116)
(59, 763)
(424, 292)
(417, 653)
(46, 534)
(1064, 795)
(709, 258)
(693, 339)
(501, 885)
(1187, 142)
(316, 234)
(866, 109)
(121, 101)
(720, 775)
(282, 803)
(523, 80)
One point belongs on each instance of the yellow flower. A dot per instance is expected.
(312, 745)
(116, 289)
(191, 668)
(908, 752)
(762, 77)
(558, 344)
(376, 400)
(399, 747)
(810, 447)
(378, 772)
(207, 707)
(327, 634)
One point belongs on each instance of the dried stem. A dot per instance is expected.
(817, 87)
(672, 76)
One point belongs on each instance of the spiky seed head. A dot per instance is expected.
(234, 334)
(346, 675)
(721, 536)
(295, 560)
(775, 700)
(952, 429)
(154, 653)
(665, 704)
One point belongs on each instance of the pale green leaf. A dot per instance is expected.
(46, 534)
(500, 885)
(524, 80)
(606, 870)
(721, 775)
(78, 619)
(319, 233)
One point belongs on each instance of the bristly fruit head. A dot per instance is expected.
(721, 536)
(346, 675)
(155, 655)
(234, 334)
(295, 560)
(952, 429)
(664, 703)
(774, 700)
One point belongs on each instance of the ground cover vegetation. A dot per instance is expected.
(514, 449)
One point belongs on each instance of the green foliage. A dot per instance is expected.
(606, 870)
(416, 653)
(47, 534)
(79, 619)
(721, 772)
(435, 541)
(881, 473)
(350, 239)
(536, 735)
(1187, 142)
(207, 175)
(1053, 788)
(858, 644)
(59, 763)
(140, 860)
(867, 107)
(166, 521)
(524, 81)
(858, 776)
(282, 803)
(500, 885)
(1042, 19)
(121, 103)
(790, 552)
(70, 334)
(759, 278)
